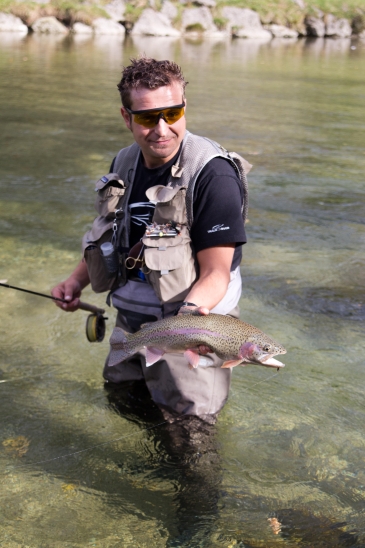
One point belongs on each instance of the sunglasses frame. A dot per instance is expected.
(130, 111)
(161, 110)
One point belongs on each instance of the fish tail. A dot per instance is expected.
(119, 348)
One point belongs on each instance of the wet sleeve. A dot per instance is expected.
(217, 207)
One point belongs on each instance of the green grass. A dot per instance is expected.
(340, 8)
(286, 11)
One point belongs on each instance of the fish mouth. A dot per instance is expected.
(268, 361)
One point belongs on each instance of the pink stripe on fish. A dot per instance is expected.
(190, 331)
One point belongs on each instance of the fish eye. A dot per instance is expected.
(267, 348)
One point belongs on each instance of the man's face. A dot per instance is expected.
(160, 143)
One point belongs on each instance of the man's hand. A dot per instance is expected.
(210, 288)
(203, 311)
(70, 289)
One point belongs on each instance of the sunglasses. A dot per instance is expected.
(151, 117)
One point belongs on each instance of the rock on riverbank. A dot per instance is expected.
(175, 18)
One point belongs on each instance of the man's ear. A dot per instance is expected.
(126, 117)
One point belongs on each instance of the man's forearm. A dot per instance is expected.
(209, 289)
(214, 268)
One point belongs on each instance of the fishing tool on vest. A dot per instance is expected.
(95, 322)
(138, 263)
(168, 230)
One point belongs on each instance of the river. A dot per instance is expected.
(81, 465)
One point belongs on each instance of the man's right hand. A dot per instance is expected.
(70, 290)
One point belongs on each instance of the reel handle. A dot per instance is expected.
(91, 308)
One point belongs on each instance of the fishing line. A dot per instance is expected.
(28, 376)
(264, 380)
(88, 448)
(259, 382)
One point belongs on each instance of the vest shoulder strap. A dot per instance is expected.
(195, 154)
(126, 162)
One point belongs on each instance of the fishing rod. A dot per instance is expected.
(95, 322)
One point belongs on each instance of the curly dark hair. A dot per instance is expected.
(148, 73)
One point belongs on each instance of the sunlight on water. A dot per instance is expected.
(284, 465)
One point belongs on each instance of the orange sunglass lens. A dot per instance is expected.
(149, 120)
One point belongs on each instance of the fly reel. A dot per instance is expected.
(95, 323)
(95, 327)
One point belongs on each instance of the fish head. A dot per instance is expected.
(261, 350)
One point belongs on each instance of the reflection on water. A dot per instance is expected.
(287, 447)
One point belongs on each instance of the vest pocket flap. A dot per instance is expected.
(100, 226)
(168, 259)
(110, 189)
(110, 192)
(161, 193)
(112, 179)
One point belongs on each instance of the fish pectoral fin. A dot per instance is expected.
(193, 357)
(232, 363)
(153, 355)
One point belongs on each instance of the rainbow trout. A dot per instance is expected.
(234, 341)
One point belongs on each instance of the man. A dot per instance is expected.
(193, 186)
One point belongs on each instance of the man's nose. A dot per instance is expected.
(161, 128)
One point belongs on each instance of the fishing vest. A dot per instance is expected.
(170, 263)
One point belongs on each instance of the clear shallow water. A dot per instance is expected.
(290, 447)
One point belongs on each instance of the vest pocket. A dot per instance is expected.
(100, 279)
(110, 190)
(170, 266)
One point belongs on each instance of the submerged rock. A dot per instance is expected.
(49, 25)
(244, 23)
(154, 23)
(107, 26)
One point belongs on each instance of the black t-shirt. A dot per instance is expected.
(216, 206)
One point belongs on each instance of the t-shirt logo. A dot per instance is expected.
(141, 213)
(216, 228)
